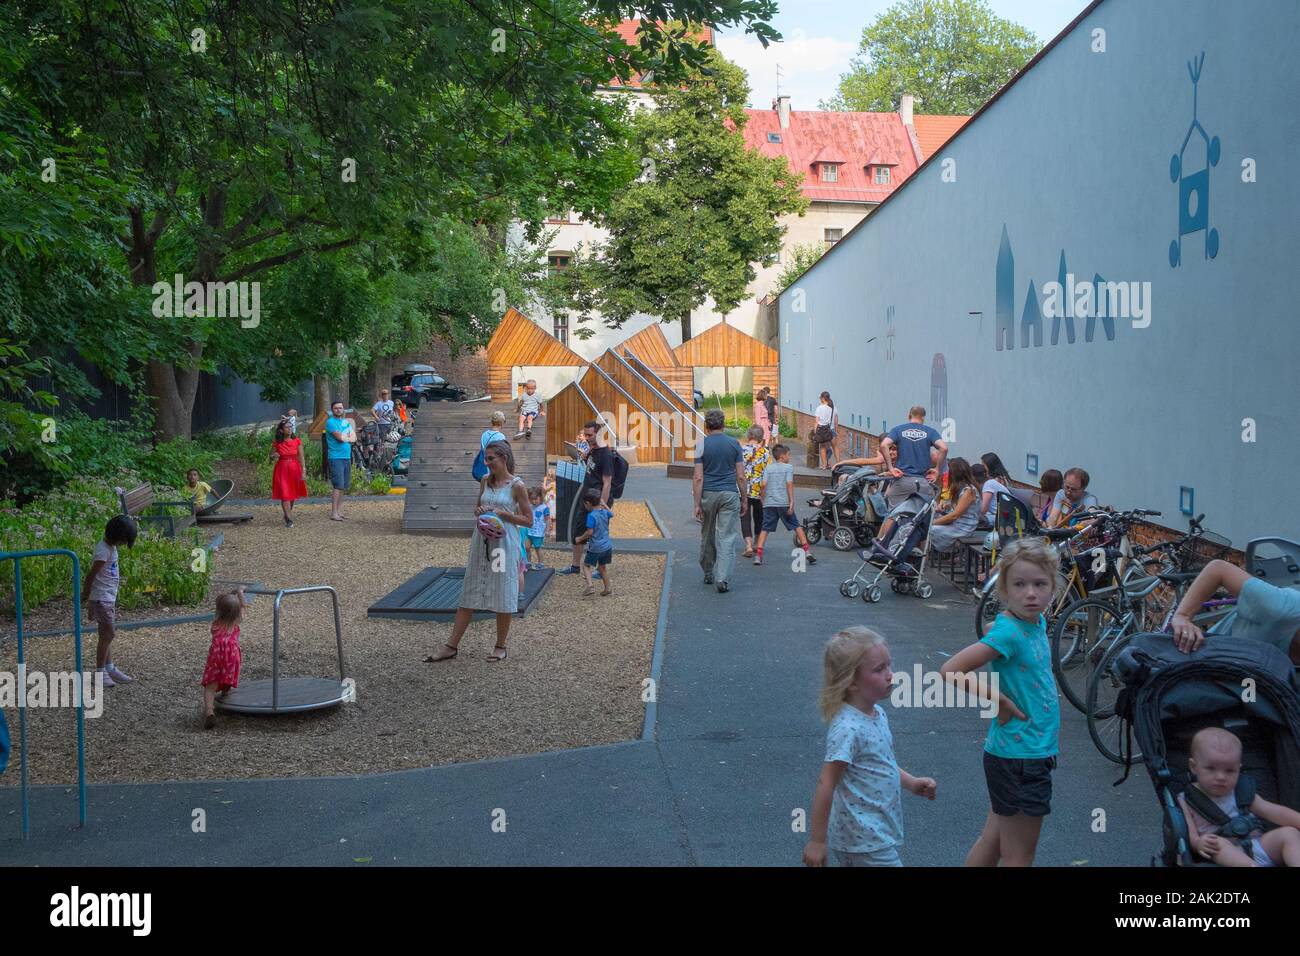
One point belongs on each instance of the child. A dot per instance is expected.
(582, 445)
(856, 808)
(292, 419)
(778, 504)
(541, 523)
(530, 406)
(1235, 836)
(222, 669)
(199, 490)
(100, 590)
(548, 489)
(600, 550)
(1021, 746)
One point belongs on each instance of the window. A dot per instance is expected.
(774, 137)
(830, 173)
(557, 261)
(561, 326)
(882, 175)
(832, 236)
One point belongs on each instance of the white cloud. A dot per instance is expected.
(810, 66)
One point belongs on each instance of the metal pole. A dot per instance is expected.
(22, 702)
(275, 654)
(81, 698)
(338, 634)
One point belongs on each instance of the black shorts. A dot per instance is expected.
(598, 558)
(1019, 786)
(778, 514)
(579, 523)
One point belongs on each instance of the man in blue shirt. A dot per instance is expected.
(916, 467)
(339, 438)
(719, 478)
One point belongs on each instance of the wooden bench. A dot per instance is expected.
(139, 503)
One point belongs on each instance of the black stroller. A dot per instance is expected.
(849, 513)
(1168, 696)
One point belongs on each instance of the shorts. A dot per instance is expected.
(341, 473)
(900, 489)
(528, 417)
(103, 614)
(536, 541)
(1019, 785)
(887, 856)
(777, 514)
(601, 558)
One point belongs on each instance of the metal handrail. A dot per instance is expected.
(275, 632)
(17, 558)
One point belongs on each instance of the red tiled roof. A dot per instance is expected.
(853, 138)
(933, 131)
(627, 30)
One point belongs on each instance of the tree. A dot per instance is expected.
(705, 211)
(259, 134)
(952, 55)
(802, 258)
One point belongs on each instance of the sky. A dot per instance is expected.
(821, 36)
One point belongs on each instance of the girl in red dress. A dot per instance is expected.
(222, 670)
(287, 484)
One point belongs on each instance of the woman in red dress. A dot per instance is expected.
(287, 484)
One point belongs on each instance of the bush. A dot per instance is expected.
(156, 571)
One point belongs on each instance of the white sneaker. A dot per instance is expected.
(118, 677)
(108, 681)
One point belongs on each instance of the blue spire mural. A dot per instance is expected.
(1068, 310)
(1006, 294)
(1032, 317)
(1101, 307)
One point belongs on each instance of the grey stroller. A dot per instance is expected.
(906, 564)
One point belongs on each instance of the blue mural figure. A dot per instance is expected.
(1031, 318)
(938, 388)
(1194, 188)
(1068, 310)
(1005, 283)
(889, 334)
(1101, 308)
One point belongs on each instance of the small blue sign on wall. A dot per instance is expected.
(1031, 464)
(1186, 500)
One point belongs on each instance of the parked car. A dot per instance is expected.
(698, 396)
(418, 383)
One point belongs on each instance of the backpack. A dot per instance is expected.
(479, 470)
(619, 478)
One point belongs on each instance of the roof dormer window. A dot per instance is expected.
(830, 173)
(882, 176)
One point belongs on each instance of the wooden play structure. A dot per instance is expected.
(725, 346)
(518, 341)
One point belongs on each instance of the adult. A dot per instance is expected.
(757, 459)
(963, 515)
(1051, 482)
(720, 499)
(492, 568)
(915, 469)
(383, 409)
(339, 439)
(773, 417)
(824, 434)
(599, 461)
(996, 480)
(762, 418)
(1072, 499)
(287, 484)
(1264, 612)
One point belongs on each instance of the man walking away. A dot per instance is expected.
(718, 484)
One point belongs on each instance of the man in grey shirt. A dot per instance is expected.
(719, 478)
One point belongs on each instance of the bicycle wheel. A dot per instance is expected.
(989, 608)
(1104, 724)
(1083, 633)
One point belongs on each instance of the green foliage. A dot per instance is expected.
(156, 571)
(802, 258)
(952, 55)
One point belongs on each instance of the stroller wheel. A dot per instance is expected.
(924, 590)
(894, 585)
(850, 589)
(872, 594)
(814, 531)
(843, 539)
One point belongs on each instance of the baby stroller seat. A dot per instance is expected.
(1275, 560)
(1169, 696)
(850, 514)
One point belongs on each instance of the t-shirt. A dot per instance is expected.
(1088, 500)
(719, 454)
(600, 462)
(867, 809)
(914, 441)
(757, 458)
(598, 522)
(1024, 670)
(337, 449)
(1267, 613)
(383, 410)
(778, 475)
(540, 514)
(530, 404)
(994, 486)
(200, 492)
(824, 414)
(104, 589)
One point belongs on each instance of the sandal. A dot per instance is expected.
(493, 659)
(431, 659)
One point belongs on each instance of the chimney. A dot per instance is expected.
(905, 109)
(782, 106)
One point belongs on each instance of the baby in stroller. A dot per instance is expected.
(1225, 816)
